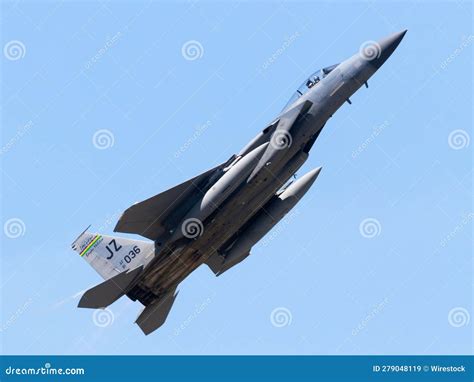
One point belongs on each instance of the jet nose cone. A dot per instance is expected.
(378, 52)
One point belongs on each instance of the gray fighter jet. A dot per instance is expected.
(215, 218)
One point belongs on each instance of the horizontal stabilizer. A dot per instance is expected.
(154, 315)
(109, 291)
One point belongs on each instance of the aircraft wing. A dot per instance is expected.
(153, 217)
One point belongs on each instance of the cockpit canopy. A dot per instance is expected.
(311, 81)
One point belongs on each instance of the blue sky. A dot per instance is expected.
(400, 156)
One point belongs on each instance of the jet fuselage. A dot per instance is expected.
(222, 221)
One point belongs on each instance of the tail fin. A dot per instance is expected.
(111, 255)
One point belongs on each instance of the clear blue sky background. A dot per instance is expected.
(406, 290)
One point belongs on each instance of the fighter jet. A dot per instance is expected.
(217, 217)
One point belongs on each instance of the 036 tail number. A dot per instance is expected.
(131, 255)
